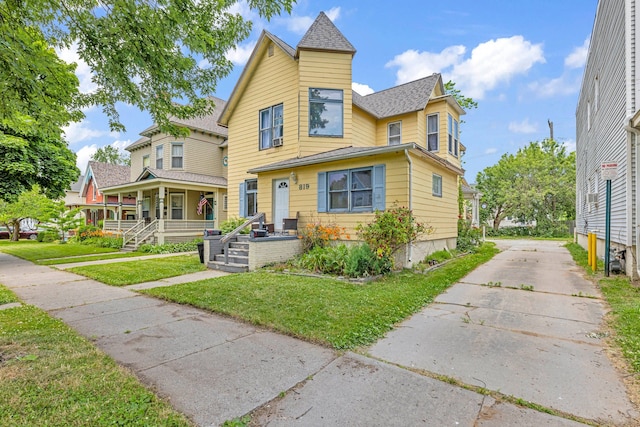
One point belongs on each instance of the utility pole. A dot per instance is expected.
(550, 128)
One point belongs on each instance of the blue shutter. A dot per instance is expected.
(243, 208)
(322, 192)
(378, 187)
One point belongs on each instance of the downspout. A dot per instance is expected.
(410, 176)
(630, 129)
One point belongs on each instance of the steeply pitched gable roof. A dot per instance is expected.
(108, 175)
(405, 98)
(324, 35)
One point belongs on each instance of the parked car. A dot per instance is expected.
(24, 234)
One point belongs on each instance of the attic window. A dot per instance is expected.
(270, 50)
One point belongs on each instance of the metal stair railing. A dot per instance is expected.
(226, 239)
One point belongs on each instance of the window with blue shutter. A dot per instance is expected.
(352, 190)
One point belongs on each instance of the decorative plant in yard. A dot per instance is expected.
(319, 235)
(390, 230)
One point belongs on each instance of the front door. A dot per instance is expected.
(208, 209)
(281, 205)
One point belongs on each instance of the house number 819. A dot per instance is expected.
(303, 186)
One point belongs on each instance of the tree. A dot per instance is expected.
(145, 53)
(30, 204)
(62, 219)
(536, 184)
(465, 102)
(39, 95)
(110, 154)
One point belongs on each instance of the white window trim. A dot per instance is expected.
(450, 138)
(161, 159)
(146, 157)
(271, 128)
(437, 132)
(349, 190)
(399, 136)
(329, 101)
(176, 144)
(433, 185)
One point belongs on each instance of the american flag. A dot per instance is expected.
(203, 201)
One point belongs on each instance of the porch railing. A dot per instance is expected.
(112, 225)
(170, 225)
(227, 237)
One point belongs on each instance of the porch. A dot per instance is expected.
(157, 231)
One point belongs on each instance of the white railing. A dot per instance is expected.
(113, 225)
(178, 224)
(134, 233)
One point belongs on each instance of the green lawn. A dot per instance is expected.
(131, 272)
(50, 376)
(36, 251)
(340, 314)
(624, 299)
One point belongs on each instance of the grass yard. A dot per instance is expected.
(339, 314)
(50, 376)
(132, 272)
(624, 299)
(36, 251)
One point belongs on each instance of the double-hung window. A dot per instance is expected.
(248, 198)
(394, 133)
(453, 132)
(352, 190)
(177, 155)
(159, 156)
(325, 112)
(432, 132)
(145, 161)
(436, 186)
(271, 126)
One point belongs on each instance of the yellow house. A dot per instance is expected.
(179, 183)
(303, 144)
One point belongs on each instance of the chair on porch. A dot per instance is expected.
(290, 224)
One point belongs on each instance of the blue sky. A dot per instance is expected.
(522, 61)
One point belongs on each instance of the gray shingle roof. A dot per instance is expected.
(108, 175)
(208, 123)
(405, 98)
(77, 186)
(185, 176)
(323, 35)
(283, 45)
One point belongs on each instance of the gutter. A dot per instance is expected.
(410, 176)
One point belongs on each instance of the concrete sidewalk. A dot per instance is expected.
(214, 369)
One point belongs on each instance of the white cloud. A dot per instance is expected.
(83, 71)
(413, 65)
(81, 131)
(83, 156)
(578, 57)
(300, 24)
(491, 63)
(490, 151)
(362, 89)
(563, 85)
(570, 145)
(240, 54)
(523, 127)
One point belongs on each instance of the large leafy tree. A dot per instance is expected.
(110, 154)
(536, 184)
(30, 204)
(146, 53)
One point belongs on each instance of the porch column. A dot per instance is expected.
(104, 216)
(119, 211)
(475, 210)
(139, 205)
(161, 208)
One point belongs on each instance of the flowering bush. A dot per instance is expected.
(390, 230)
(319, 235)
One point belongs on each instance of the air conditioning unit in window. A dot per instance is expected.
(277, 142)
(592, 198)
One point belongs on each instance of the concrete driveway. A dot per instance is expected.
(538, 345)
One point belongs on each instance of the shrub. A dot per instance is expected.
(390, 230)
(231, 224)
(363, 262)
(87, 231)
(469, 236)
(170, 248)
(48, 236)
(103, 242)
(319, 235)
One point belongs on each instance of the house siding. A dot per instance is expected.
(364, 128)
(273, 82)
(600, 133)
(409, 128)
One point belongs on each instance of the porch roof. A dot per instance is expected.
(177, 178)
(352, 153)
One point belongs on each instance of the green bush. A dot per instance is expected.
(469, 237)
(341, 260)
(103, 242)
(232, 223)
(559, 229)
(170, 248)
(48, 236)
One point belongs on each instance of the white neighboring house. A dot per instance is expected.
(607, 127)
